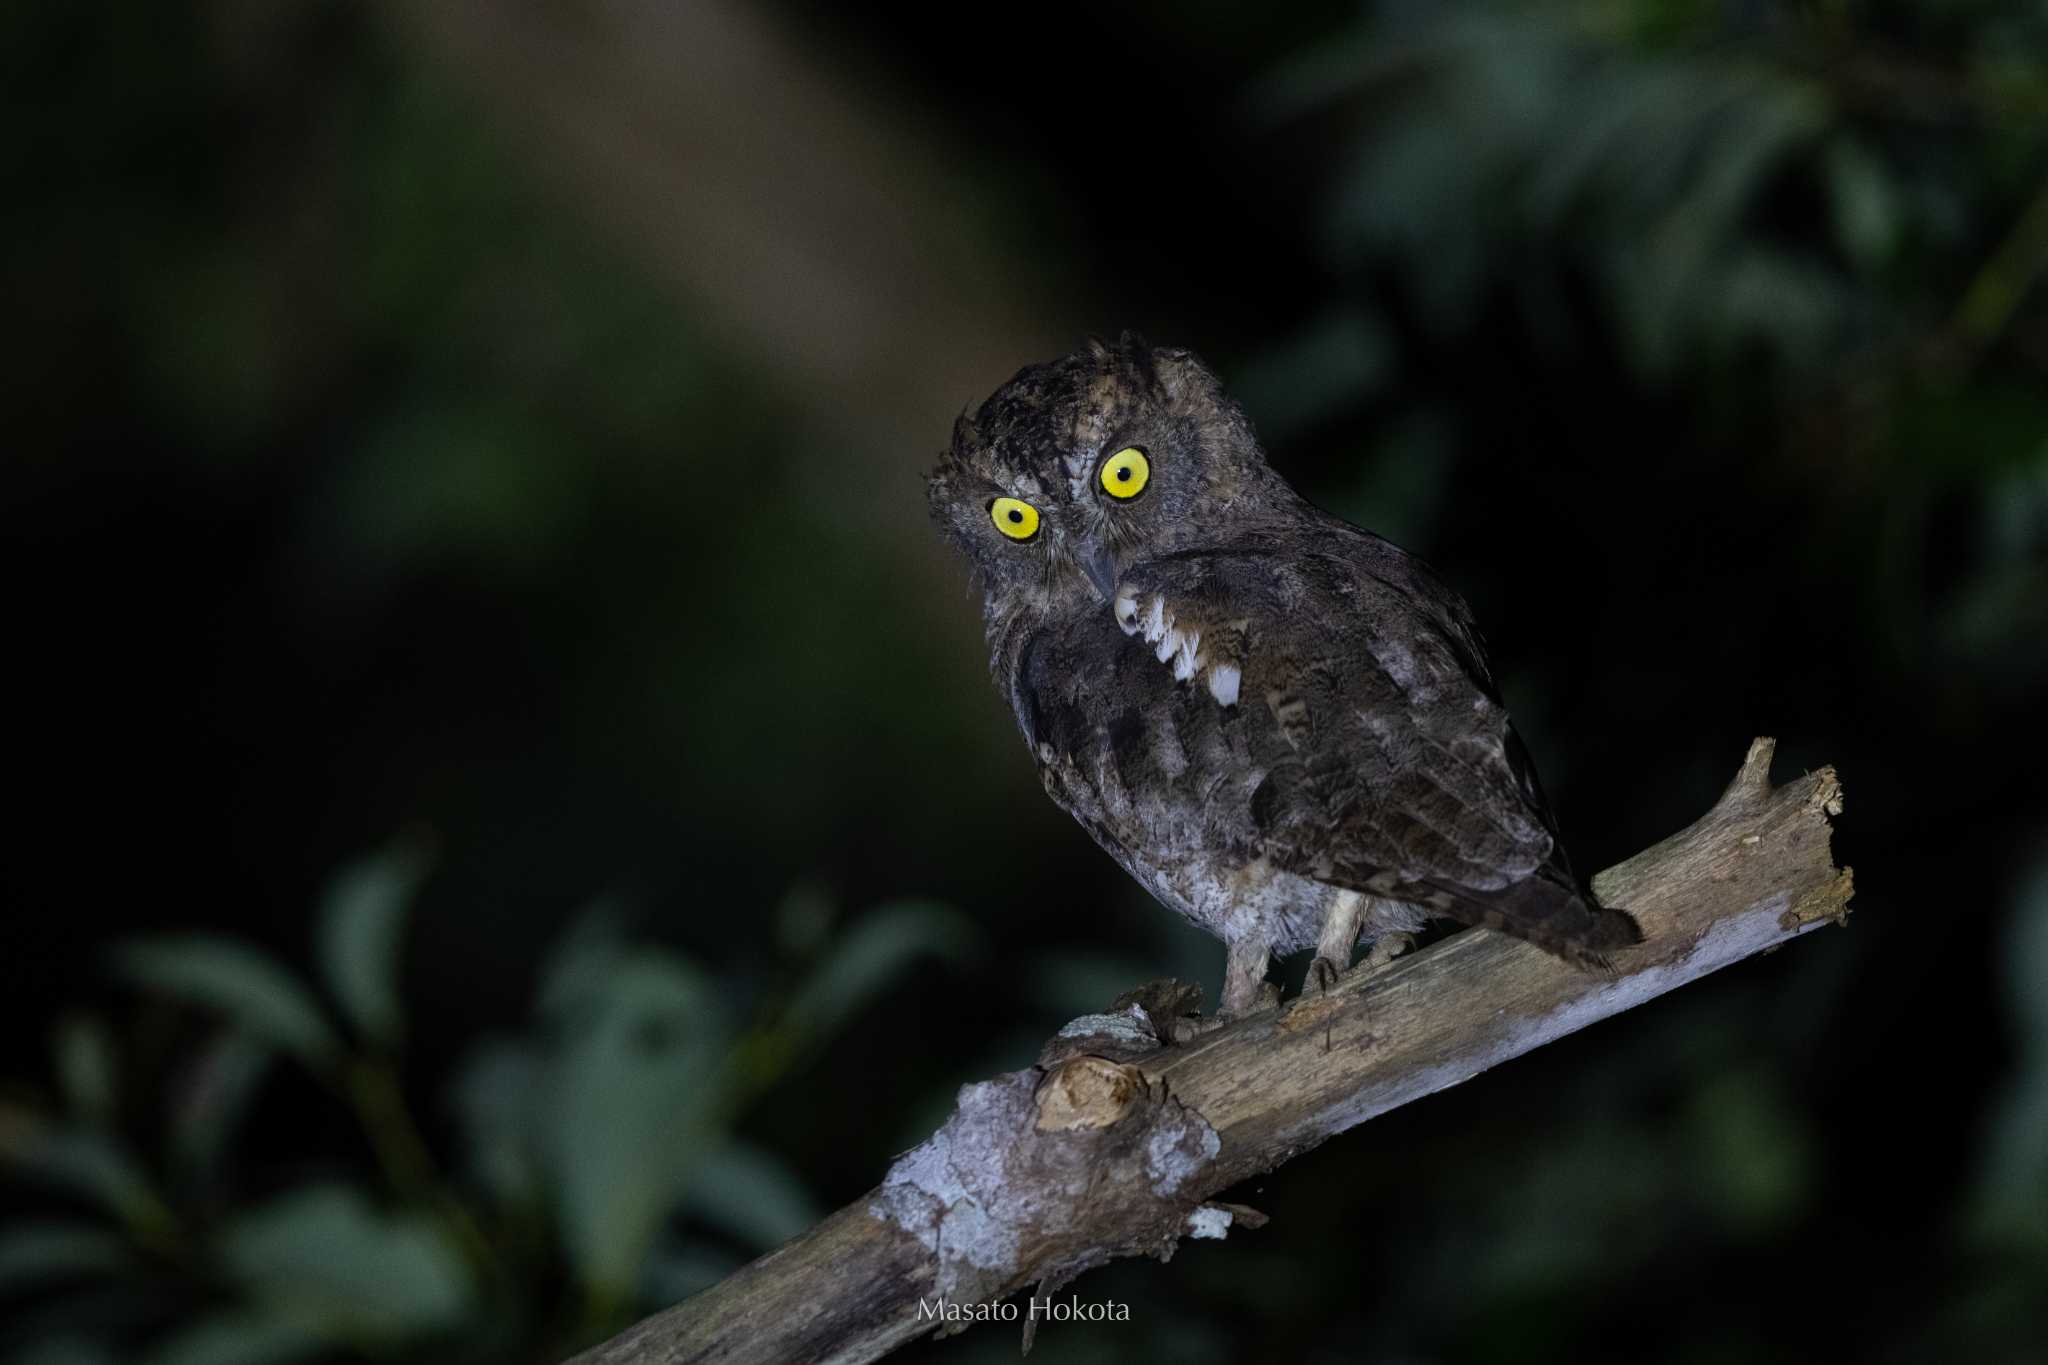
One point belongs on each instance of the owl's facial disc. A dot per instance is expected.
(1082, 466)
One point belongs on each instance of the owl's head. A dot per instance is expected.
(1079, 466)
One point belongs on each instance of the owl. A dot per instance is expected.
(1283, 726)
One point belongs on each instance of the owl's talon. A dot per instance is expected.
(1387, 947)
(1188, 1027)
(1193, 1026)
(1323, 975)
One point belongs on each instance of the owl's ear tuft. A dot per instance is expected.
(955, 469)
(1099, 351)
(945, 488)
(966, 435)
(1181, 375)
(1138, 353)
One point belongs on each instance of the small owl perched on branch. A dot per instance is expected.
(1283, 726)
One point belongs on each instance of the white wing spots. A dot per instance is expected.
(1159, 632)
(1394, 660)
(1159, 620)
(1180, 649)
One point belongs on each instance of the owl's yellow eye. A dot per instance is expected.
(1124, 473)
(1014, 518)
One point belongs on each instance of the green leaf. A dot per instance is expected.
(214, 1096)
(632, 1096)
(33, 1253)
(265, 1000)
(242, 1337)
(362, 918)
(1868, 216)
(326, 1254)
(868, 958)
(2025, 958)
(2012, 1190)
(751, 1195)
(91, 1165)
(86, 1067)
(497, 1101)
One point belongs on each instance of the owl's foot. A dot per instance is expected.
(1189, 1027)
(1334, 944)
(1245, 988)
(1268, 997)
(1324, 973)
(1386, 948)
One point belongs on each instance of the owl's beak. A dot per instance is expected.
(1100, 566)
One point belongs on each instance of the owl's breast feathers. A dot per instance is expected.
(1329, 714)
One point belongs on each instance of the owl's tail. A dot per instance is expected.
(1548, 912)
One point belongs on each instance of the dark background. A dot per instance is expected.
(464, 519)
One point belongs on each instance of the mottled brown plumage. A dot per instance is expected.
(1283, 726)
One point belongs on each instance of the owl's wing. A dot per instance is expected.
(1389, 764)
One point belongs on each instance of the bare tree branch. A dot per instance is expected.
(1115, 1142)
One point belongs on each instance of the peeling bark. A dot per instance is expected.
(1114, 1144)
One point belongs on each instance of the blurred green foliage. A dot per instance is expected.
(593, 1152)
